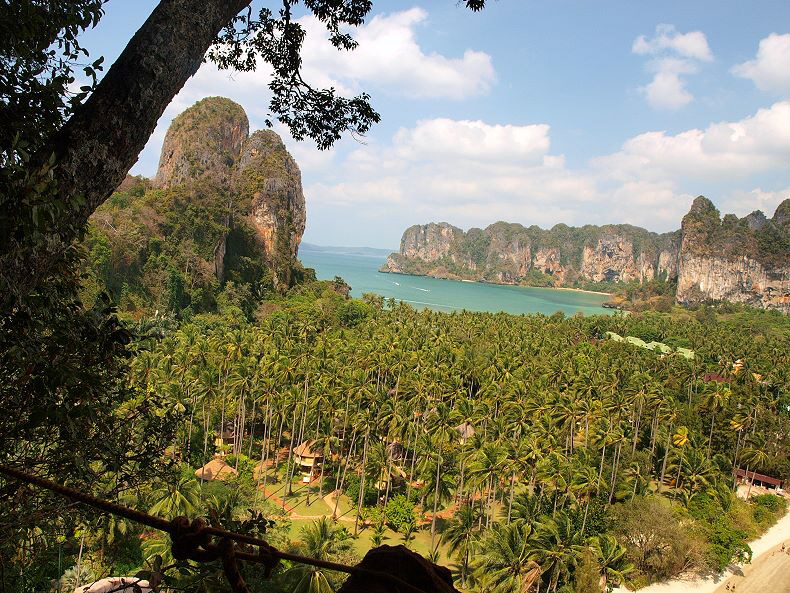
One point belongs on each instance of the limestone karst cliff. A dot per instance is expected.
(219, 225)
(268, 184)
(203, 141)
(740, 260)
(210, 142)
(512, 254)
(743, 260)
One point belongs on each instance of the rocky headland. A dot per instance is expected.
(210, 142)
(744, 260)
(218, 226)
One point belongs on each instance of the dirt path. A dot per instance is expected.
(770, 573)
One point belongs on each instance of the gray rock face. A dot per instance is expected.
(548, 261)
(268, 183)
(210, 141)
(742, 280)
(429, 242)
(512, 254)
(203, 141)
(740, 260)
(611, 259)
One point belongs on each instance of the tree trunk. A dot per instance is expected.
(339, 489)
(103, 138)
(749, 490)
(436, 496)
(600, 470)
(512, 491)
(666, 457)
(361, 497)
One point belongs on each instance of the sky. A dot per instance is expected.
(531, 111)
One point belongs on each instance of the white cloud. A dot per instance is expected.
(743, 202)
(725, 150)
(667, 91)
(389, 57)
(474, 173)
(675, 54)
(447, 138)
(690, 45)
(770, 70)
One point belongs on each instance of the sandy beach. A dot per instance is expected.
(579, 290)
(769, 571)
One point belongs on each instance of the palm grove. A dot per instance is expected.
(531, 452)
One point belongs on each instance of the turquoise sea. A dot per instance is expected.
(361, 272)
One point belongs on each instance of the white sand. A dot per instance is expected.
(777, 534)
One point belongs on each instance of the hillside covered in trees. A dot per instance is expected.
(525, 451)
(218, 226)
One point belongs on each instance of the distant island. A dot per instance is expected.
(743, 260)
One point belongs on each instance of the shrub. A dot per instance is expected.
(775, 504)
(658, 545)
(399, 512)
(352, 491)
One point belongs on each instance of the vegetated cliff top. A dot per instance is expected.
(221, 222)
(203, 141)
(766, 240)
(570, 240)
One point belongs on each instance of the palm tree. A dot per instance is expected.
(459, 535)
(680, 439)
(182, 498)
(557, 545)
(408, 530)
(754, 457)
(322, 540)
(612, 560)
(504, 562)
(715, 399)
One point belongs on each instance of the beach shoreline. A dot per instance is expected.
(486, 282)
(575, 290)
(763, 549)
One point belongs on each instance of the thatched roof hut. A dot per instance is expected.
(305, 451)
(216, 469)
(465, 430)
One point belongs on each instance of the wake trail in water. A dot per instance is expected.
(422, 289)
(430, 304)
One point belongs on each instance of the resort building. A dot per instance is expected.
(760, 480)
(216, 469)
(308, 460)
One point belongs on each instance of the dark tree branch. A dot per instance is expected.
(102, 140)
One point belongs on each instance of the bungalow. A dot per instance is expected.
(756, 479)
(216, 469)
(307, 459)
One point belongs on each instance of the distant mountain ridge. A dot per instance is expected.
(734, 259)
(366, 251)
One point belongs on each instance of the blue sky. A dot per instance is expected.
(535, 112)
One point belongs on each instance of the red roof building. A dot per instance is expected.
(758, 479)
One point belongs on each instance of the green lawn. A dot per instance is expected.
(346, 514)
(420, 544)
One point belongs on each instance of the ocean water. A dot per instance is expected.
(361, 272)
